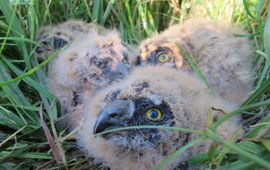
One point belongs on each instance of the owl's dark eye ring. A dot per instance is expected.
(98, 63)
(101, 63)
(154, 114)
(163, 57)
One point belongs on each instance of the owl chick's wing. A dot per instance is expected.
(151, 95)
(224, 58)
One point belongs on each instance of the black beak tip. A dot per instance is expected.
(98, 128)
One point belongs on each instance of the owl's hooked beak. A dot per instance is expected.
(114, 115)
(122, 68)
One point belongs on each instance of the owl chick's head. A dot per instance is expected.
(149, 96)
(53, 38)
(123, 112)
(96, 60)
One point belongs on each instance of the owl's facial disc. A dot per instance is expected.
(134, 112)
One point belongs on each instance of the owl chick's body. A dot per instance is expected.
(94, 57)
(181, 99)
(224, 59)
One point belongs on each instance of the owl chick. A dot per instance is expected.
(150, 95)
(94, 58)
(224, 59)
(53, 38)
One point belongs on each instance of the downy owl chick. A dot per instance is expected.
(150, 95)
(94, 57)
(224, 58)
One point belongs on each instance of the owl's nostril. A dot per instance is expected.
(114, 115)
(122, 69)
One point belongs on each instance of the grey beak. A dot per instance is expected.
(122, 68)
(113, 115)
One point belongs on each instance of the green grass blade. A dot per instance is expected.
(259, 92)
(246, 5)
(33, 70)
(107, 11)
(238, 111)
(96, 10)
(183, 130)
(238, 150)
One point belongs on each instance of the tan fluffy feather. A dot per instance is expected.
(189, 100)
(224, 58)
(73, 70)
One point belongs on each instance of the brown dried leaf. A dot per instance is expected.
(50, 139)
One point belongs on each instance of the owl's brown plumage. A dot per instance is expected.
(94, 57)
(183, 100)
(223, 57)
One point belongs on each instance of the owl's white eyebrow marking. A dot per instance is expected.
(155, 99)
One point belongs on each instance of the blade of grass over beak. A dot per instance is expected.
(32, 70)
(184, 130)
(177, 153)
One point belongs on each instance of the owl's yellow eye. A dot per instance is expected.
(163, 57)
(154, 114)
